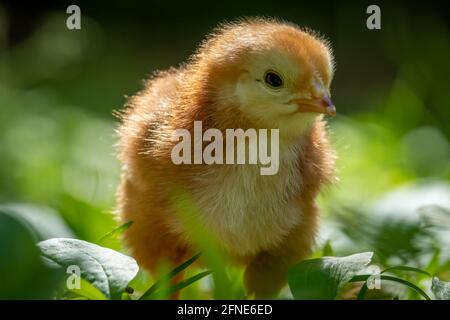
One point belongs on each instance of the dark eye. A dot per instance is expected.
(273, 79)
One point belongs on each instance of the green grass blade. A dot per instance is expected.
(364, 289)
(183, 284)
(152, 290)
(115, 232)
(360, 277)
(406, 268)
(406, 283)
(183, 266)
(433, 265)
(166, 292)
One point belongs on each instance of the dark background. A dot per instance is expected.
(149, 35)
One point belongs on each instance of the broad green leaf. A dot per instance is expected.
(322, 278)
(108, 270)
(24, 276)
(44, 223)
(88, 291)
(440, 289)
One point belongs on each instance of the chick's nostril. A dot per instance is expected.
(327, 101)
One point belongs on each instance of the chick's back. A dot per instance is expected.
(144, 150)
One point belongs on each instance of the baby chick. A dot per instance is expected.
(256, 73)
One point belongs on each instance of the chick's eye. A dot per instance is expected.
(273, 80)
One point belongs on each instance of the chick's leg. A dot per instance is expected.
(150, 237)
(266, 273)
(265, 276)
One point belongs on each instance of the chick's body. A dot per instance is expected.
(267, 222)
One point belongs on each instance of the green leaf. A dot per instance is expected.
(24, 276)
(323, 278)
(88, 291)
(108, 270)
(440, 289)
(44, 223)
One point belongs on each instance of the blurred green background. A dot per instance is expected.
(58, 90)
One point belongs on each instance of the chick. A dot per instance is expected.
(256, 73)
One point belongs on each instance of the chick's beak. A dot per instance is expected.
(317, 105)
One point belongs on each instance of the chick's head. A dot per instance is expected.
(275, 74)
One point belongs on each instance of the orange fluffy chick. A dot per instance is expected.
(252, 74)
